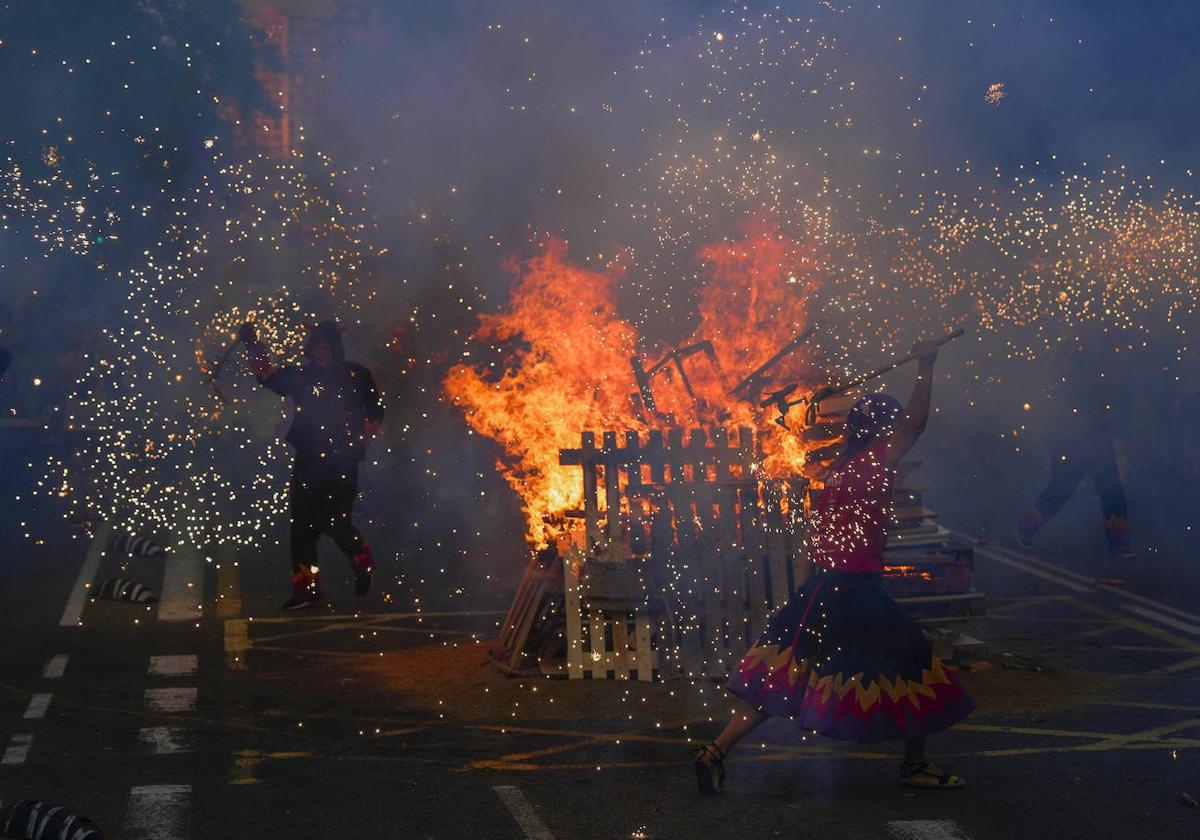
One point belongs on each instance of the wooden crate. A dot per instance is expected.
(533, 626)
(706, 546)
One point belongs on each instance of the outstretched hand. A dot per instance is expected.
(924, 351)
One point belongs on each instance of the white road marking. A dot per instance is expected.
(157, 812)
(18, 750)
(926, 830)
(164, 740)
(1047, 566)
(523, 813)
(1166, 608)
(1044, 564)
(1032, 570)
(183, 586)
(38, 704)
(55, 667)
(237, 642)
(229, 584)
(73, 613)
(1162, 619)
(179, 665)
(171, 699)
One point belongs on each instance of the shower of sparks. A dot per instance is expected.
(995, 93)
(163, 441)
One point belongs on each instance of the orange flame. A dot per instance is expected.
(565, 367)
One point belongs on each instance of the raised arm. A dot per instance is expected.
(916, 413)
(259, 357)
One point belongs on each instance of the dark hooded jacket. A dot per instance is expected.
(333, 405)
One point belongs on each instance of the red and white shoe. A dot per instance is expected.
(364, 567)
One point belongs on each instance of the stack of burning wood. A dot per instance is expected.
(683, 548)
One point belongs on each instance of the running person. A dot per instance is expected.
(841, 656)
(337, 413)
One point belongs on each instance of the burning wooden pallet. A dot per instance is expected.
(681, 553)
(681, 541)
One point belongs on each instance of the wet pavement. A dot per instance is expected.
(233, 719)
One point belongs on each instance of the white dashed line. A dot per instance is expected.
(55, 667)
(171, 699)
(73, 613)
(926, 830)
(18, 750)
(164, 740)
(181, 665)
(523, 813)
(1032, 570)
(157, 812)
(237, 643)
(183, 586)
(38, 704)
(1162, 619)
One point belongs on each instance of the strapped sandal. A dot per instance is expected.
(709, 764)
(919, 775)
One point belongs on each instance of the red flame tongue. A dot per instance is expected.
(567, 366)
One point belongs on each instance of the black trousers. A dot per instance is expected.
(322, 501)
(1070, 462)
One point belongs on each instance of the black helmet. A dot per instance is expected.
(330, 333)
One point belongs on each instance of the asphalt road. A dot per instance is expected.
(214, 715)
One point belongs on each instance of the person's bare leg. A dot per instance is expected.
(710, 759)
(744, 721)
(918, 771)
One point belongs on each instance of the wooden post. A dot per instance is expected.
(591, 505)
(574, 614)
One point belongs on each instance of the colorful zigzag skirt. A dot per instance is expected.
(846, 661)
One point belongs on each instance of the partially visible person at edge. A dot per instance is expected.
(1082, 443)
(841, 656)
(338, 412)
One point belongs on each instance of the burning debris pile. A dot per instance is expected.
(687, 527)
(560, 360)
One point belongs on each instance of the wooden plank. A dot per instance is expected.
(688, 583)
(574, 615)
(645, 656)
(636, 536)
(599, 644)
(508, 629)
(753, 552)
(620, 633)
(612, 493)
(656, 456)
(674, 456)
(801, 562)
(729, 555)
(777, 561)
(591, 505)
(534, 603)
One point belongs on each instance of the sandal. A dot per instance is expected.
(709, 764)
(920, 775)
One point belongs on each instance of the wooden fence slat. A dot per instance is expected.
(591, 505)
(620, 633)
(612, 493)
(574, 611)
(777, 546)
(645, 656)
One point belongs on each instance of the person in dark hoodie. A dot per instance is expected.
(338, 411)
